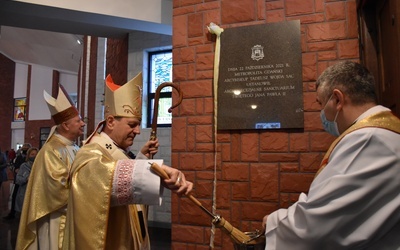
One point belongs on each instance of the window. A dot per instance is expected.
(19, 109)
(160, 71)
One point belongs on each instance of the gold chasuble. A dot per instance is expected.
(43, 215)
(384, 120)
(92, 223)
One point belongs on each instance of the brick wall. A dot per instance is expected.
(257, 171)
(7, 72)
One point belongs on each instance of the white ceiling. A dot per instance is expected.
(60, 51)
(37, 34)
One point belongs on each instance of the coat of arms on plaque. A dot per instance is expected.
(257, 52)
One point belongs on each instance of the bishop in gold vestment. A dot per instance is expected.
(44, 210)
(109, 194)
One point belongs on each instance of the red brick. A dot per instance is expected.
(289, 167)
(319, 6)
(249, 145)
(204, 189)
(189, 213)
(274, 16)
(195, 120)
(326, 31)
(309, 73)
(191, 138)
(320, 141)
(310, 162)
(335, 11)
(205, 48)
(223, 194)
(236, 147)
(237, 11)
(196, 89)
(261, 189)
(179, 72)
(299, 142)
(312, 121)
(204, 175)
(278, 157)
(294, 7)
(208, 105)
(205, 74)
(310, 102)
(274, 5)
(348, 49)
(274, 141)
(191, 234)
(187, 107)
(205, 61)
(322, 66)
(205, 147)
(256, 210)
(235, 171)
(260, 9)
(226, 152)
(204, 133)
(187, 54)
(178, 134)
(321, 46)
(327, 55)
(179, 31)
(183, 10)
(194, 41)
(312, 18)
(240, 190)
(191, 161)
(352, 23)
(296, 182)
(212, 16)
(208, 6)
(195, 24)
(190, 2)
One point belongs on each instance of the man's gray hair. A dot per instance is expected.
(352, 79)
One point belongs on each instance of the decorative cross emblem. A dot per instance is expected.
(108, 146)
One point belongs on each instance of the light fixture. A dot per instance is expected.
(253, 106)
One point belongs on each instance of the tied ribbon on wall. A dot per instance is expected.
(216, 30)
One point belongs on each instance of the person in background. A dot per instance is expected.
(22, 178)
(11, 156)
(353, 202)
(43, 213)
(19, 160)
(3, 168)
(109, 194)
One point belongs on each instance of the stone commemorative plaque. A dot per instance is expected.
(260, 77)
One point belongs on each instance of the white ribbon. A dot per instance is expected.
(215, 29)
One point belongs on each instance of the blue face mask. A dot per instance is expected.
(330, 126)
(32, 159)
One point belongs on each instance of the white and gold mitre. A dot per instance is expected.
(125, 100)
(62, 109)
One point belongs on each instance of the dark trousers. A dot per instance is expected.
(14, 196)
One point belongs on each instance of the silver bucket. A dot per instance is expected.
(258, 242)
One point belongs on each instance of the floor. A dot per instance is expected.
(160, 237)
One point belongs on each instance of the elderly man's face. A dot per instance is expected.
(123, 130)
(75, 126)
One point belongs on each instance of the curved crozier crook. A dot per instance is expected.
(153, 134)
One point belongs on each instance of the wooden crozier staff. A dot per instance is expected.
(153, 134)
(237, 235)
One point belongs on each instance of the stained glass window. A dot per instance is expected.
(160, 71)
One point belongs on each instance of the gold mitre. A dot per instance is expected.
(125, 100)
(62, 109)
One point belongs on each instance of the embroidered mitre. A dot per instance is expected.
(62, 109)
(125, 100)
